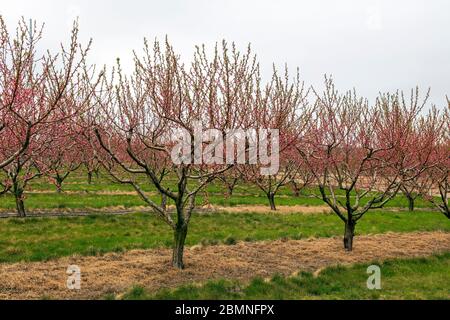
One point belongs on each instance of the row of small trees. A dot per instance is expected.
(58, 114)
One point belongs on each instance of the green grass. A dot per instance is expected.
(37, 239)
(424, 278)
(80, 195)
(87, 200)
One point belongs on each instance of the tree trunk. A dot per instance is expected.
(410, 203)
(58, 185)
(180, 234)
(89, 179)
(230, 190)
(349, 234)
(444, 210)
(271, 197)
(295, 189)
(20, 206)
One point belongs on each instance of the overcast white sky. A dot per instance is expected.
(373, 45)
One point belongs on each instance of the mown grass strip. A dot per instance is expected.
(39, 239)
(423, 278)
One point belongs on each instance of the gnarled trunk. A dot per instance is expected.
(18, 195)
(271, 197)
(295, 189)
(349, 234)
(180, 233)
(20, 205)
(410, 203)
(89, 177)
(230, 190)
(59, 183)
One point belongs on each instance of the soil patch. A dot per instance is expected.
(116, 273)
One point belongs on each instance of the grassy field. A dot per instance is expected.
(105, 193)
(47, 238)
(37, 239)
(424, 278)
(80, 201)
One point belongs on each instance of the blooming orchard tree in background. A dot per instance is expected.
(301, 178)
(62, 156)
(90, 162)
(22, 170)
(417, 154)
(230, 179)
(280, 105)
(15, 58)
(437, 186)
(33, 90)
(83, 134)
(351, 152)
(68, 144)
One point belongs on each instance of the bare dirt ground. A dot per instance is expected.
(116, 273)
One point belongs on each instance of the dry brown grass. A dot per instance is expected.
(115, 273)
